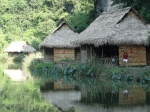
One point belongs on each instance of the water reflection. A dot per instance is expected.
(134, 95)
(64, 100)
(15, 74)
(125, 98)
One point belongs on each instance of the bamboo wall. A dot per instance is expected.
(136, 55)
(136, 95)
(64, 54)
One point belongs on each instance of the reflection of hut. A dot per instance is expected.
(102, 97)
(57, 46)
(56, 85)
(114, 33)
(19, 47)
(136, 95)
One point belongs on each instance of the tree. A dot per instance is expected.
(33, 20)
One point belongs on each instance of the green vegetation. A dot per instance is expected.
(22, 97)
(95, 75)
(33, 20)
(3, 58)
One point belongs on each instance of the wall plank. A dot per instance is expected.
(64, 54)
(136, 55)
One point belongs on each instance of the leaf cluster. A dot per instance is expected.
(33, 20)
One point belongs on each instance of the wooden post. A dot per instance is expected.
(91, 55)
(102, 52)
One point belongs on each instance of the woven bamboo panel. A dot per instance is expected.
(136, 55)
(64, 54)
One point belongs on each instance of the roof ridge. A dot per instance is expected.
(117, 10)
(60, 25)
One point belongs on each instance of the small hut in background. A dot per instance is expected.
(116, 32)
(57, 46)
(19, 47)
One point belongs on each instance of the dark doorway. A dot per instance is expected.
(106, 51)
(49, 54)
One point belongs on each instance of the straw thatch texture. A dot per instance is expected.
(123, 26)
(60, 38)
(19, 46)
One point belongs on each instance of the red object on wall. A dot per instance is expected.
(131, 50)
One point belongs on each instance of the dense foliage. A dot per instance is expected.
(33, 20)
(94, 75)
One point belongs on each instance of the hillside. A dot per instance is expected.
(33, 20)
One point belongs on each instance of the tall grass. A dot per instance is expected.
(24, 97)
(94, 76)
(3, 57)
(29, 63)
(21, 97)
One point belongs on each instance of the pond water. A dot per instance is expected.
(118, 94)
(67, 99)
(131, 98)
(15, 74)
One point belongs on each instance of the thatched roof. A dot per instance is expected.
(60, 38)
(19, 46)
(123, 26)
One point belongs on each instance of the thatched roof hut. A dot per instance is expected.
(60, 38)
(119, 27)
(19, 46)
(58, 46)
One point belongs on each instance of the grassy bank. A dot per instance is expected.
(94, 75)
(21, 96)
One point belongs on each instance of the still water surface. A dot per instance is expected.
(66, 99)
(136, 99)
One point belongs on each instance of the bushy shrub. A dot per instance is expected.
(28, 63)
(19, 58)
(3, 57)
